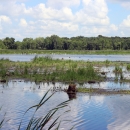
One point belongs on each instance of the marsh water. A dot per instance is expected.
(87, 111)
(29, 57)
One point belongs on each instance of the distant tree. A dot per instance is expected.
(9, 42)
(2, 46)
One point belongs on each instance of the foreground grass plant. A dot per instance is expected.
(39, 123)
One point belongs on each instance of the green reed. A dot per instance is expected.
(52, 117)
(128, 67)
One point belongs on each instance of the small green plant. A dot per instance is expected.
(107, 62)
(118, 69)
(128, 67)
(26, 70)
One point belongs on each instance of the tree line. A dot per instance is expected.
(55, 42)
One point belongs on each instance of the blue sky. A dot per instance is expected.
(68, 18)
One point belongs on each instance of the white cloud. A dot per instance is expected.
(124, 27)
(62, 3)
(126, 22)
(58, 17)
(23, 23)
(4, 18)
(113, 27)
(4, 22)
(42, 12)
(94, 12)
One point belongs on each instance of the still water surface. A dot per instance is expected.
(88, 112)
(29, 57)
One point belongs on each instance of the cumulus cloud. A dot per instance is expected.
(42, 12)
(113, 27)
(4, 21)
(62, 3)
(4, 18)
(124, 27)
(126, 22)
(23, 23)
(58, 17)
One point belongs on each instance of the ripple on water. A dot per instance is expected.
(87, 111)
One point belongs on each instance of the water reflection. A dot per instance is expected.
(72, 96)
(87, 111)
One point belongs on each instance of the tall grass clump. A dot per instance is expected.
(26, 70)
(52, 120)
(42, 59)
(80, 74)
(118, 69)
(3, 71)
(107, 62)
(128, 67)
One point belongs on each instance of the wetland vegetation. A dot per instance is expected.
(46, 69)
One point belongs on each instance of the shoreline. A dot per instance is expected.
(74, 52)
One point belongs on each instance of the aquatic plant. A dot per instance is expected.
(118, 69)
(26, 70)
(46, 68)
(85, 90)
(128, 67)
(107, 62)
(39, 123)
(3, 71)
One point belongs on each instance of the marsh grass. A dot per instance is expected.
(48, 69)
(118, 69)
(3, 71)
(128, 67)
(85, 90)
(107, 62)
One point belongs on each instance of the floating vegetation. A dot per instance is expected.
(101, 91)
